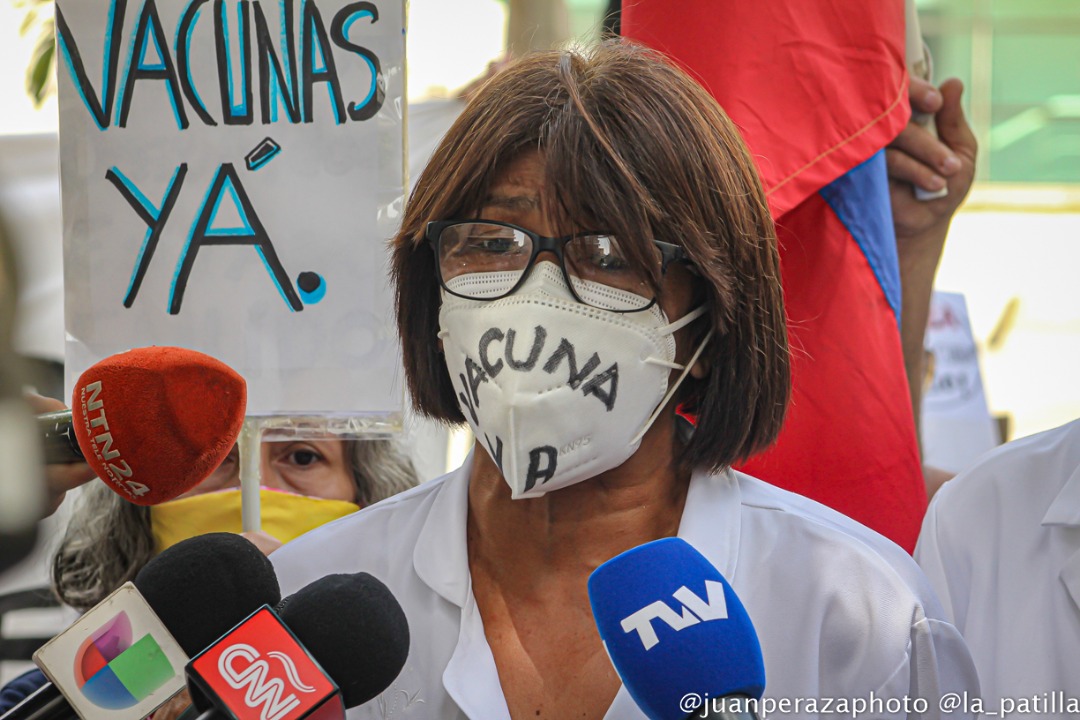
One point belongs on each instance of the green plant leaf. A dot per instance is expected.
(40, 70)
(28, 22)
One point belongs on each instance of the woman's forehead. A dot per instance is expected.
(519, 179)
(522, 187)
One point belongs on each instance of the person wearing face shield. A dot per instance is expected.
(588, 249)
(305, 482)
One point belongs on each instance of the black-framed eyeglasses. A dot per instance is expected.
(488, 260)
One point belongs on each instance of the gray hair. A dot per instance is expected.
(380, 469)
(108, 539)
(106, 543)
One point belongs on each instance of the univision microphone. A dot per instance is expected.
(678, 636)
(334, 644)
(125, 656)
(152, 422)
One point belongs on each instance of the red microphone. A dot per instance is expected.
(334, 644)
(260, 671)
(151, 422)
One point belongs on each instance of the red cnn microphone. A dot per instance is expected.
(334, 644)
(152, 422)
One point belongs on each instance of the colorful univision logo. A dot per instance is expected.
(113, 672)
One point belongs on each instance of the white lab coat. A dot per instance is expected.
(1001, 544)
(840, 611)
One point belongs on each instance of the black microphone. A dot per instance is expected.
(205, 585)
(334, 644)
(196, 590)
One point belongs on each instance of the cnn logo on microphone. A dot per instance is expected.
(259, 671)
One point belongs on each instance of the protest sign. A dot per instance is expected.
(956, 424)
(231, 171)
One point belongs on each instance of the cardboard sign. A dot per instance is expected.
(231, 171)
(956, 424)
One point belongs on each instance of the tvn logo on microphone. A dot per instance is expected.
(259, 671)
(693, 611)
(126, 662)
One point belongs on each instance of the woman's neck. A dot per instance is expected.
(572, 530)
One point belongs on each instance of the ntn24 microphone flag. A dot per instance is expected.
(817, 90)
(672, 625)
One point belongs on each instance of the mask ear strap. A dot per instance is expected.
(675, 386)
(672, 328)
(684, 320)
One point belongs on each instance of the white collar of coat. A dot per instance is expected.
(1065, 510)
(710, 522)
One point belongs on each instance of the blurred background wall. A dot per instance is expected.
(1015, 246)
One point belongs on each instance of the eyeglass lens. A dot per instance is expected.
(593, 262)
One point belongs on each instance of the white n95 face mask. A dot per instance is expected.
(557, 391)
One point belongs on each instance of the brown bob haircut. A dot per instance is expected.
(633, 146)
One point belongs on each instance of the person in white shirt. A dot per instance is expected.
(1001, 545)
(589, 248)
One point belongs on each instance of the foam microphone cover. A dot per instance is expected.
(204, 586)
(355, 628)
(672, 625)
(154, 422)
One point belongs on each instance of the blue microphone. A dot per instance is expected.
(676, 633)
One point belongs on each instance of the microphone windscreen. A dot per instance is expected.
(672, 625)
(355, 628)
(204, 586)
(155, 422)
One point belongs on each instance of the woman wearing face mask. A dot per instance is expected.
(588, 248)
(305, 483)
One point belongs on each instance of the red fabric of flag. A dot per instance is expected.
(817, 87)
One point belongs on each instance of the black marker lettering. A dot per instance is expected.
(258, 237)
(466, 399)
(476, 377)
(539, 335)
(183, 62)
(229, 113)
(150, 22)
(566, 350)
(595, 386)
(315, 32)
(495, 452)
(269, 62)
(156, 224)
(101, 110)
(377, 93)
(536, 472)
(485, 340)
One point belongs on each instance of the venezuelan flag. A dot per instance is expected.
(818, 88)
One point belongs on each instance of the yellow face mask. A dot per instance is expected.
(285, 515)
